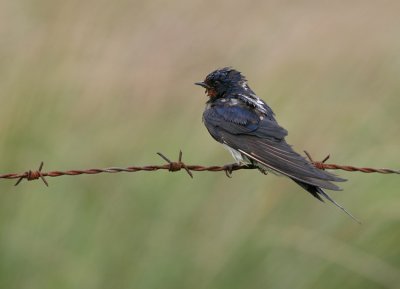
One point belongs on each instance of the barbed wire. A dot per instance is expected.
(174, 166)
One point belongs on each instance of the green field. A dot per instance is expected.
(87, 84)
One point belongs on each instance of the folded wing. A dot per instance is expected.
(261, 140)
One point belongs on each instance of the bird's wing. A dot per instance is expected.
(239, 120)
(262, 140)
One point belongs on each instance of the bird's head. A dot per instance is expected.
(222, 81)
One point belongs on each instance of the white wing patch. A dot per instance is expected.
(256, 101)
(233, 101)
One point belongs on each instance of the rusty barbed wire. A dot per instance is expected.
(323, 166)
(177, 166)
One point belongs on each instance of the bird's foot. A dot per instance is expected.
(253, 166)
(235, 166)
(263, 171)
(229, 169)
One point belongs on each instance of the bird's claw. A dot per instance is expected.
(229, 170)
(263, 171)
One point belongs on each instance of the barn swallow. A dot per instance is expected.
(237, 118)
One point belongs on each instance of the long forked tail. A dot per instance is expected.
(317, 192)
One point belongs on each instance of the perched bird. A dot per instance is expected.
(236, 117)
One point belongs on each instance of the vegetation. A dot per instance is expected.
(100, 83)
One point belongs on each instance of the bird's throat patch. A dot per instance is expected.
(211, 93)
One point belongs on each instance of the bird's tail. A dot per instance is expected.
(318, 193)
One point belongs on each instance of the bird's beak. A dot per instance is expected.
(203, 84)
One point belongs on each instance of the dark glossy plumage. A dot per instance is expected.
(237, 118)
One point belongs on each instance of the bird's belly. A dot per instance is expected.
(239, 158)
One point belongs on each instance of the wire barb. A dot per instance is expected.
(319, 165)
(176, 166)
(33, 175)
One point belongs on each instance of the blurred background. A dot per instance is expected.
(109, 83)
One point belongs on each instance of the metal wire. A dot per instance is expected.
(174, 167)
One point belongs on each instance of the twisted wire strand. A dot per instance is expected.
(177, 166)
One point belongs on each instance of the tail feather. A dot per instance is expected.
(317, 192)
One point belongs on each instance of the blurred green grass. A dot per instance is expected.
(98, 83)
